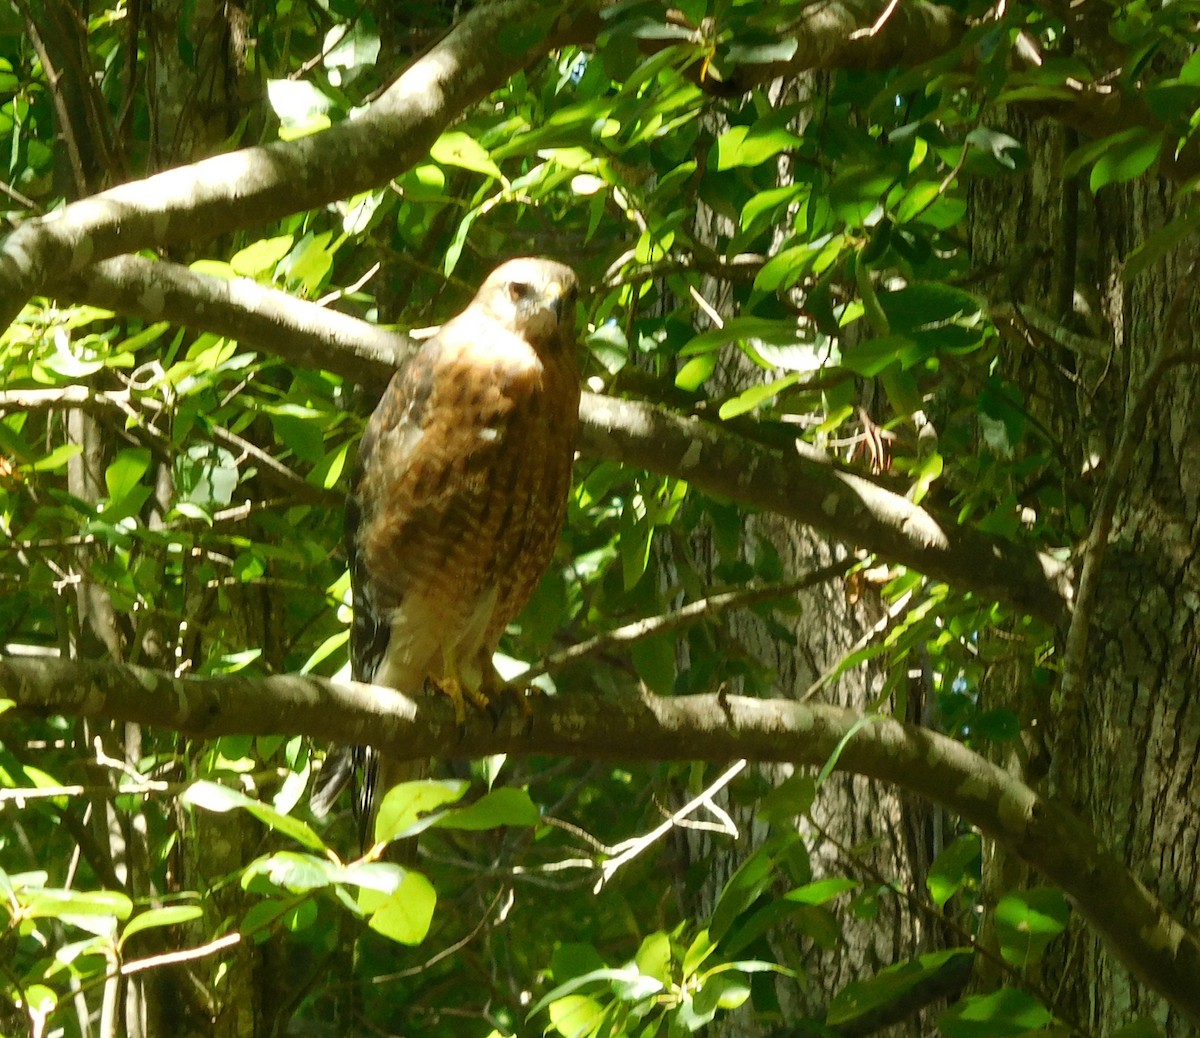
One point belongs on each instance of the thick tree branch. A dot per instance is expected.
(1142, 934)
(259, 317)
(254, 186)
(802, 484)
(805, 485)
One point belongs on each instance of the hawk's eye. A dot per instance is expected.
(518, 290)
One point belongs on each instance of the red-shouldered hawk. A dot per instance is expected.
(457, 501)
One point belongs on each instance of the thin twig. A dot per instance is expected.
(879, 627)
(682, 617)
(186, 955)
(627, 850)
(880, 22)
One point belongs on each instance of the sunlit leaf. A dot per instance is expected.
(405, 915)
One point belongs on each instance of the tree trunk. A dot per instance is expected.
(1123, 752)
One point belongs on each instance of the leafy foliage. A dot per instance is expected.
(777, 260)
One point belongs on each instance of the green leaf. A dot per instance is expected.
(214, 797)
(405, 915)
(405, 802)
(870, 357)
(793, 797)
(259, 258)
(1027, 921)
(592, 977)
(302, 108)
(574, 1016)
(126, 470)
(894, 984)
(654, 662)
(653, 956)
(1159, 243)
(766, 52)
(756, 395)
(956, 865)
(752, 145)
(57, 459)
(822, 890)
(699, 950)
(696, 371)
(294, 872)
(827, 768)
(52, 903)
(455, 148)
(747, 884)
(1002, 1014)
(1127, 154)
(742, 329)
(505, 806)
(170, 915)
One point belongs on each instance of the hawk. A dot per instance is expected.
(457, 502)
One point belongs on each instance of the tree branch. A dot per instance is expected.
(1152, 945)
(254, 186)
(805, 485)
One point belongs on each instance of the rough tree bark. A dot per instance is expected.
(1124, 752)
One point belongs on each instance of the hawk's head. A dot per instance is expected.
(533, 297)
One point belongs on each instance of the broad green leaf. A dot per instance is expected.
(1124, 155)
(259, 258)
(742, 329)
(405, 915)
(654, 662)
(1160, 243)
(294, 872)
(350, 47)
(125, 472)
(405, 802)
(1003, 1014)
(764, 52)
(214, 797)
(572, 959)
(699, 952)
(745, 886)
(894, 984)
(766, 203)
(455, 148)
(955, 866)
(696, 371)
(822, 890)
(872, 356)
(791, 798)
(751, 145)
(653, 956)
(37, 1000)
(302, 107)
(755, 395)
(1027, 921)
(55, 460)
(591, 978)
(504, 806)
(52, 903)
(170, 915)
(574, 1016)
(927, 305)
